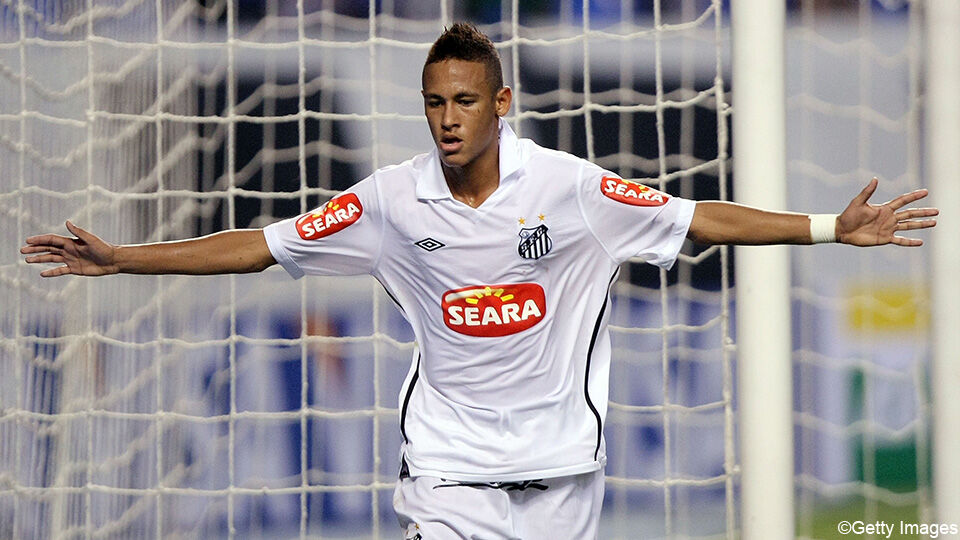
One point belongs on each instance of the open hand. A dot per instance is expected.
(85, 255)
(865, 224)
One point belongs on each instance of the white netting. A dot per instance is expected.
(861, 340)
(136, 406)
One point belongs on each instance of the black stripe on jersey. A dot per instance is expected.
(586, 377)
(386, 290)
(406, 401)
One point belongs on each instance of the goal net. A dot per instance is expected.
(199, 407)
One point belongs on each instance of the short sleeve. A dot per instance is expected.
(632, 220)
(341, 237)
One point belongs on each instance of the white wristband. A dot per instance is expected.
(823, 228)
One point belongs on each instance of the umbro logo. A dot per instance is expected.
(429, 244)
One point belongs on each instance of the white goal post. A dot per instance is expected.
(764, 376)
(764, 367)
(943, 164)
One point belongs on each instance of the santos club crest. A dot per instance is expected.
(534, 242)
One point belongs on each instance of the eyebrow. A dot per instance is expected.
(459, 95)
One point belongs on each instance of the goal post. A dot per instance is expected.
(762, 274)
(943, 132)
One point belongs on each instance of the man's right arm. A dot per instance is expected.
(228, 252)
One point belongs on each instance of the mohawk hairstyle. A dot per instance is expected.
(463, 41)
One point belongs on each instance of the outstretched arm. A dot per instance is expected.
(228, 252)
(860, 224)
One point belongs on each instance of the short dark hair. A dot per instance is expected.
(463, 41)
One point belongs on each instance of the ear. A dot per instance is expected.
(502, 100)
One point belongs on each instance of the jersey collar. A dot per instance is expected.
(432, 185)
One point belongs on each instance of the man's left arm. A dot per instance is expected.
(860, 224)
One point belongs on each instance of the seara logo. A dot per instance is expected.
(494, 310)
(338, 214)
(631, 193)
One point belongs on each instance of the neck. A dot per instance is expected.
(474, 182)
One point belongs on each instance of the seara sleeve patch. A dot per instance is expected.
(338, 214)
(631, 193)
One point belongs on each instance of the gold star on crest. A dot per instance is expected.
(522, 221)
(541, 217)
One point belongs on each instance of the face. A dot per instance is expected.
(462, 110)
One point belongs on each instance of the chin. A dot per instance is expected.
(454, 160)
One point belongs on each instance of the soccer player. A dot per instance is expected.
(500, 254)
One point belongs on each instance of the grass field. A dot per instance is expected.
(823, 522)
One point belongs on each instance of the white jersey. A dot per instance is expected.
(508, 301)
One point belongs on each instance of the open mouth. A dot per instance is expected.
(450, 144)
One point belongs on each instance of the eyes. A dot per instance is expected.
(434, 103)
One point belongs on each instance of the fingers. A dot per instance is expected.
(53, 248)
(918, 224)
(48, 240)
(26, 250)
(80, 233)
(906, 242)
(54, 272)
(916, 218)
(56, 240)
(914, 213)
(48, 258)
(906, 199)
(867, 192)
(49, 255)
(911, 220)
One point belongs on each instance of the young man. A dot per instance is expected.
(500, 254)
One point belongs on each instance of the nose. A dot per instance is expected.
(449, 118)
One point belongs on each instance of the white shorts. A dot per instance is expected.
(556, 508)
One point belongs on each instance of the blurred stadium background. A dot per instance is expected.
(255, 406)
